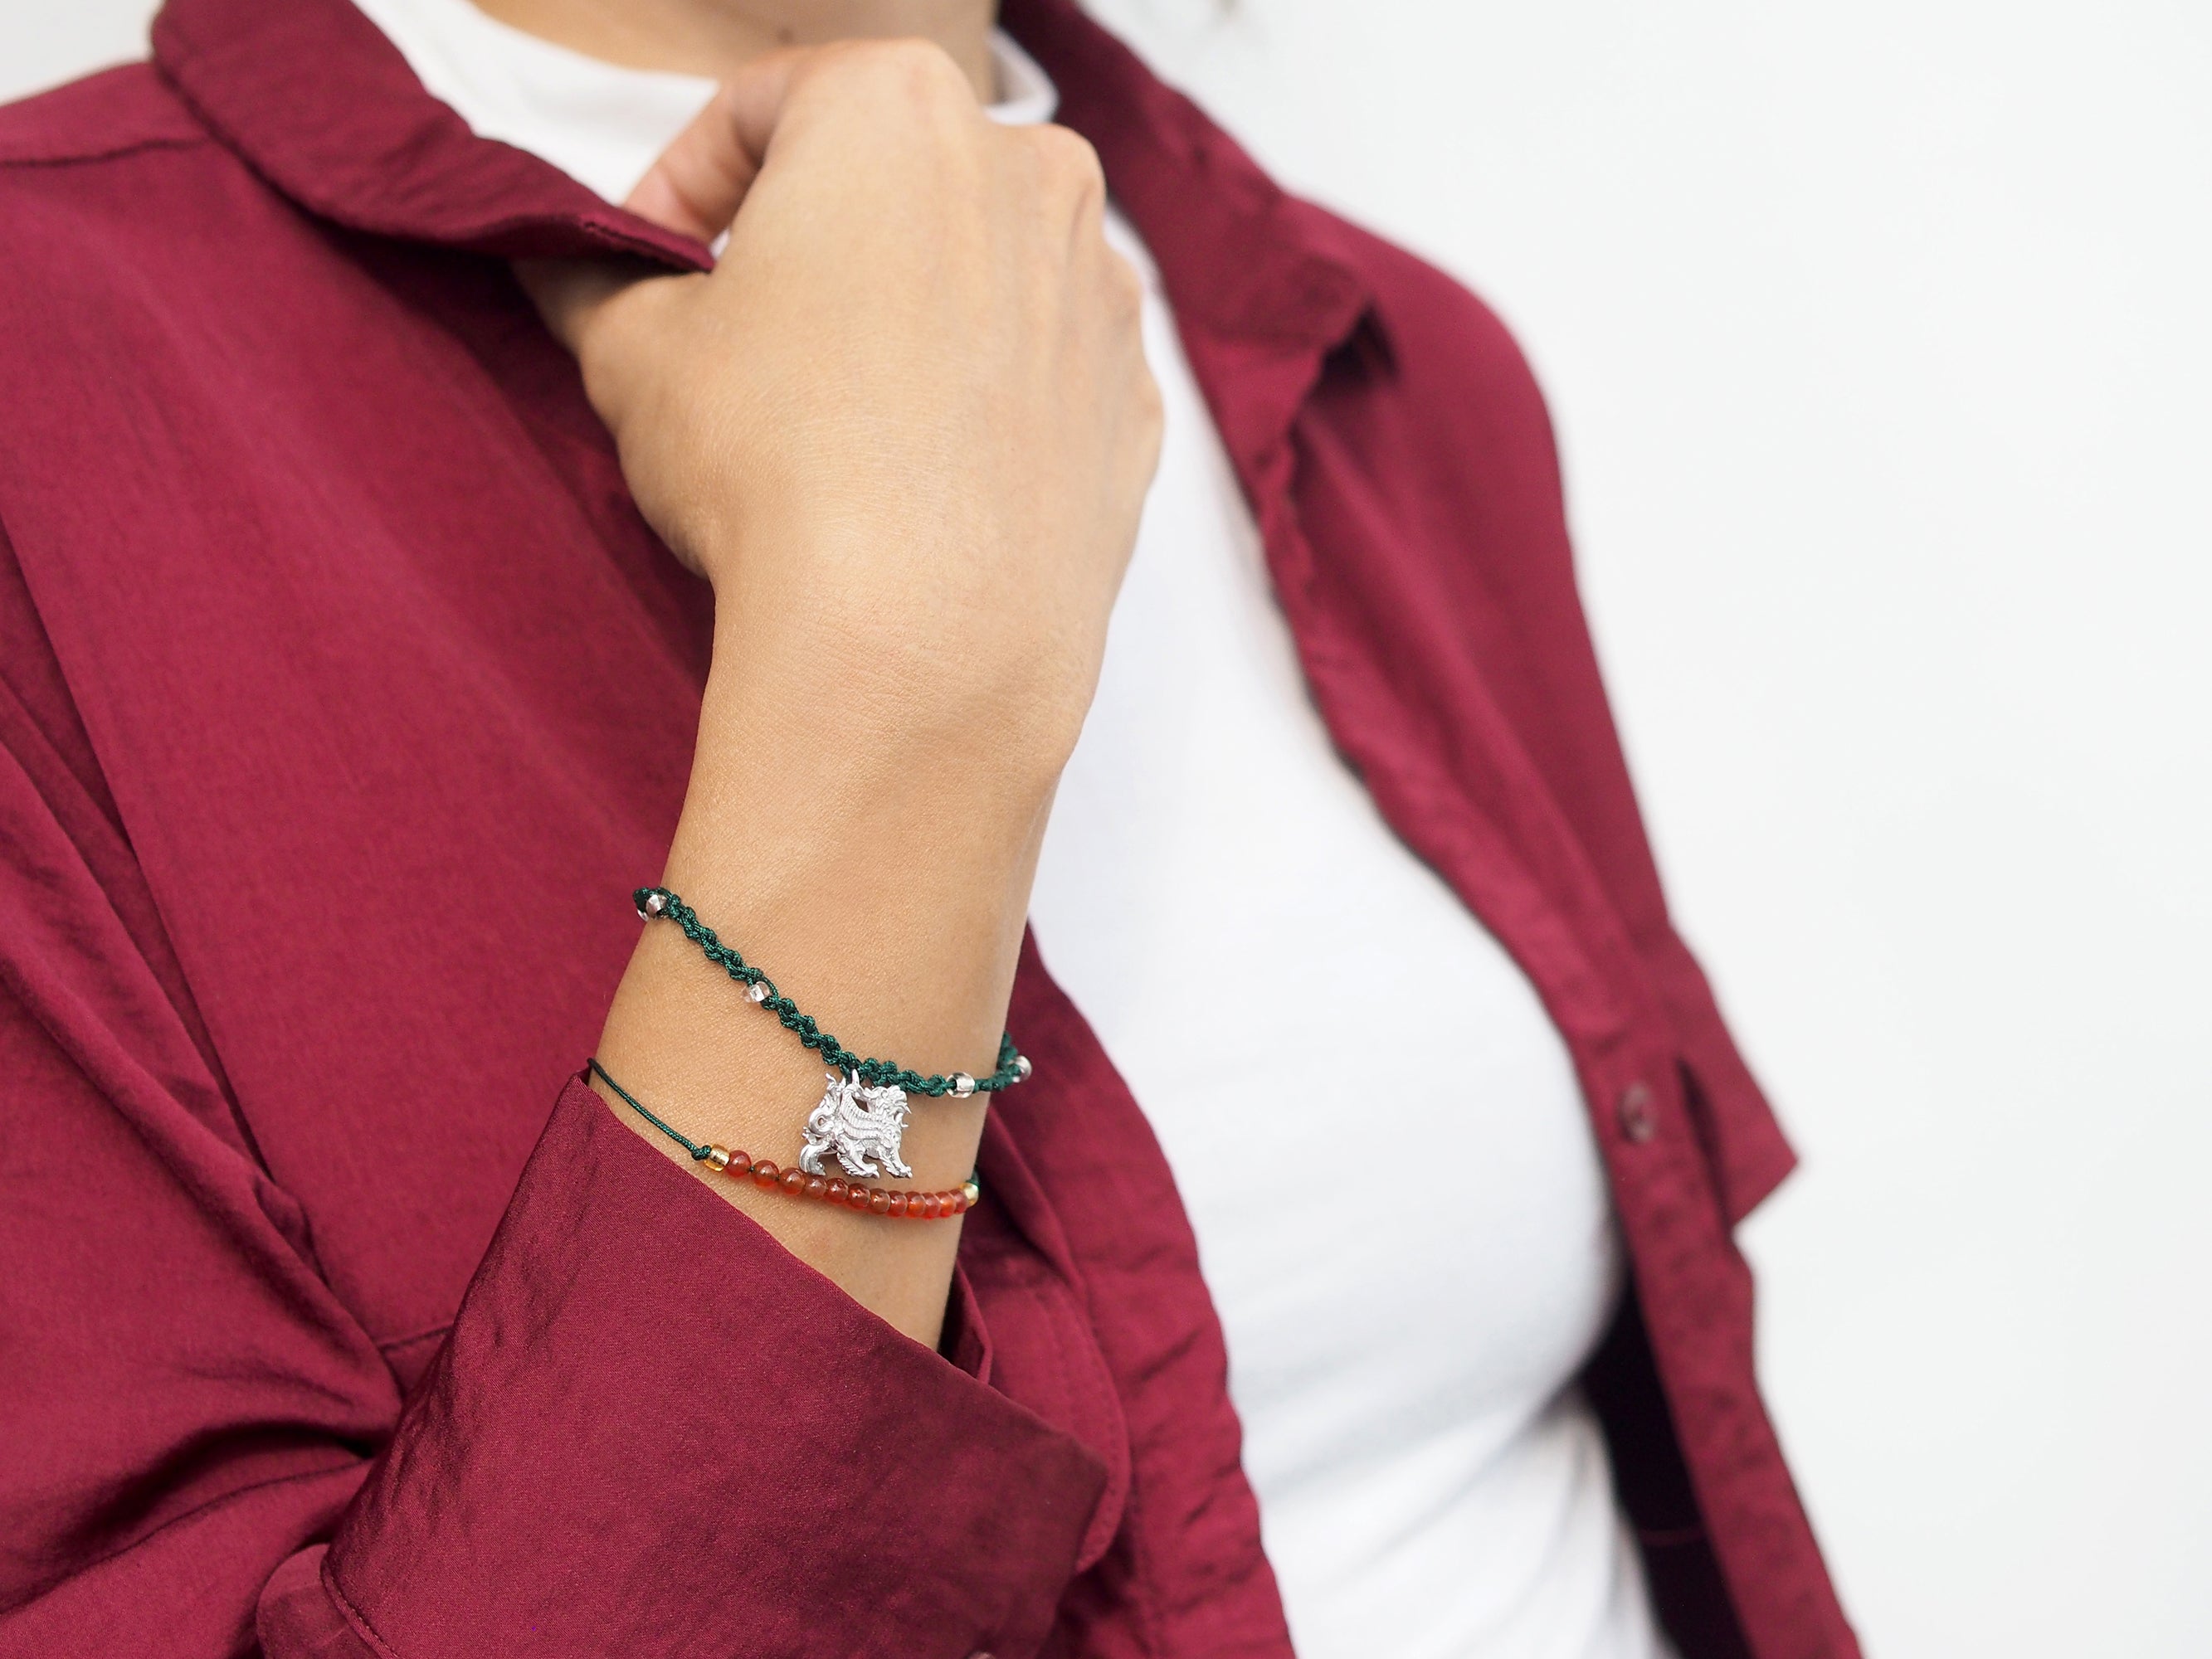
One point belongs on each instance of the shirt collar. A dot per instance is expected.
(1239, 258)
(602, 123)
(314, 97)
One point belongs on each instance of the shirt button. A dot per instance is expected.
(1638, 1114)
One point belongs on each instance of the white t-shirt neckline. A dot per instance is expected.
(601, 124)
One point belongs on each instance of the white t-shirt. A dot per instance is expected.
(1430, 1484)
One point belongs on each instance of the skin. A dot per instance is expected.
(718, 37)
(905, 430)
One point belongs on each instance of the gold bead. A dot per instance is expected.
(717, 1159)
(973, 1191)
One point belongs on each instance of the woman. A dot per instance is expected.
(349, 684)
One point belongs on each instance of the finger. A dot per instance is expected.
(694, 188)
(569, 293)
(700, 180)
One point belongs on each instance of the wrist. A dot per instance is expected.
(822, 616)
(890, 716)
(881, 876)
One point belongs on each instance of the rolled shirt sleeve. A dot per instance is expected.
(649, 1430)
(653, 1430)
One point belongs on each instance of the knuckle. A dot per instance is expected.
(1069, 160)
(1124, 285)
(1152, 408)
(920, 72)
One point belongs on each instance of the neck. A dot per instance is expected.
(715, 38)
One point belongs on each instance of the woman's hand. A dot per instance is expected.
(905, 428)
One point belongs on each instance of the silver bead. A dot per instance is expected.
(655, 903)
(1022, 1068)
(756, 991)
(963, 1085)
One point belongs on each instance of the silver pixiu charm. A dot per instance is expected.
(855, 1124)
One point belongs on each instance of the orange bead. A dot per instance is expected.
(929, 1206)
(857, 1196)
(816, 1186)
(898, 1204)
(739, 1165)
(879, 1201)
(764, 1173)
(794, 1181)
(835, 1193)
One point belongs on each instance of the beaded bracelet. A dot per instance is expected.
(1013, 1066)
(861, 1116)
(891, 1201)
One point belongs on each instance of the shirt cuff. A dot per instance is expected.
(654, 1429)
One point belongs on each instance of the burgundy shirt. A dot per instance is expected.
(343, 697)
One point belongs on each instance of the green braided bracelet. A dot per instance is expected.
(1013, 1065)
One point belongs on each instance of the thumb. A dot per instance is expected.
(694, 188)
(700, 180)
(570, 294)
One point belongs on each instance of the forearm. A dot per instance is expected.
(905, 429)
(886, 897)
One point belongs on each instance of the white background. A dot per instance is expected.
(1877, 336)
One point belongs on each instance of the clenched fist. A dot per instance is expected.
(906, 422)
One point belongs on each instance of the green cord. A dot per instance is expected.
(698, 1153)
(660, 902)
